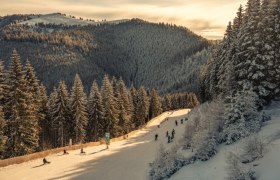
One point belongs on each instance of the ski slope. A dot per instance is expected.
(266, 168)
(125, 160)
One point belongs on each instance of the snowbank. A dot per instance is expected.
(266, 168)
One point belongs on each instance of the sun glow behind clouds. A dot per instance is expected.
(205, 17)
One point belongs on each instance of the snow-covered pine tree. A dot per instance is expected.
(225, 75)
(3, 84)
(142, 107)
(174, 102)
(276, 37)
(155, 104)
(50, 116)
(123, 119)
(267, 84)
(126, 96)
(242, 116)
(33, 87)
(110, 121)
(44, 121)
(192, 100)
(124, 108)
(134, 99)
(60, 113)
(20, 113)
(3, 138)
(249, 65)
(166, 103)
(78, 109)
(96, 114)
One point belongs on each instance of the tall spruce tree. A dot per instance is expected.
(3, 84)
(126, 111)
(96, 114)
(110, 122)
(60, 114)
(78, 108)
(20, 113)
(142, 107)
(276, 37)
(133, 93)
(52, 142)
(155, 104)
(38, 95)
(44, 120)
(3, 138)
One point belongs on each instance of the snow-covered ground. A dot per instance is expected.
(57, 18)
(125, 160)
(268, 168)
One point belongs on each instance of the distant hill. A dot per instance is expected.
(58, 18)
(163, 56)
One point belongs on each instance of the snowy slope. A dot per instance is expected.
(126, 160)
(57, 18)
(267, 169)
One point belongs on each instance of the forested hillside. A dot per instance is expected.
(248, 56)
(31, 121)
(163, 56)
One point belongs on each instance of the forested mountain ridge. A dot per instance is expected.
(163, 56)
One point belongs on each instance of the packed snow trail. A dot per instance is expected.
(126, 160)
(267, 168)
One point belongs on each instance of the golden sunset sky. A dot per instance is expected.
(208, 18)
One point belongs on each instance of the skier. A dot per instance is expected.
(176, 122)
(172, 136)
(181, 121)
(167, 134)
(45, 161)
(156, 136)
(65, 152)
(169, 139)
(173, 132)
(82, 151)
(158, 126)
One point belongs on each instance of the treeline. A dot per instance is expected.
(31, 121)
(73, 39)
(248, 57)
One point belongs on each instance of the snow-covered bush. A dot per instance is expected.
(206, 145)
(253, 148)
(242, 116)
(166, 163)
(203, 128)
(236, 170)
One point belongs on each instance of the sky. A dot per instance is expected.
(208, 18)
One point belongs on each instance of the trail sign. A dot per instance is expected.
(107, 138)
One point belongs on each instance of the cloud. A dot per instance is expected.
(201, 16)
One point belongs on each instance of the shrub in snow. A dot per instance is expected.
(206, 145)
(253, 148)
(242, 116)
(236, 170)
(202, 130)
(166, 163)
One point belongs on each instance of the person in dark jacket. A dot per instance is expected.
(45, 161)
(65, 152)
(169, 139)
(156, 136)
(82, 151)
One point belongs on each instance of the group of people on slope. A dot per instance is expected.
(45, 161)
